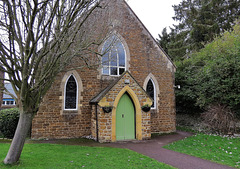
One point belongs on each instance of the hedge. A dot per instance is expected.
(8, 122)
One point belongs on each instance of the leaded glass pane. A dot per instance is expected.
(121, 54)
(105, 61)
(106, 70)
(121, 71)
(113, 57)
(114, 71)
(150, 90)
(71, 93)
(107, 45)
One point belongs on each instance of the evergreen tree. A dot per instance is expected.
(211, 76)
(178, 44)
(200, 21)
(164, 39)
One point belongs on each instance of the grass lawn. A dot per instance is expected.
(67, 156)
(223, 150)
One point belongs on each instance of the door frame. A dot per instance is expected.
(138, 112)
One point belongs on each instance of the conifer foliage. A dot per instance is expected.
(200, 21)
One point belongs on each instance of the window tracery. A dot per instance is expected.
(114, 59)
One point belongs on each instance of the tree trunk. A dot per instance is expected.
(24, 125)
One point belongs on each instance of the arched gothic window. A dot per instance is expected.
(151, 92)
(114, 58)
(71, 93)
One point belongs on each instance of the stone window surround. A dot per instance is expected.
(79, 91)
(154, 93)
(127, 54)
(156, 89)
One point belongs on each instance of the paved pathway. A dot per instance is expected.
(153, 148)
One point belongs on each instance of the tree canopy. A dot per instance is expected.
(35, 41)
(211, 76)
(205, 48)
(200, 21)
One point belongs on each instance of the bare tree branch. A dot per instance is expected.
(35, 41)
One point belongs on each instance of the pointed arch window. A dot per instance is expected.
(71, 93)
(151, 90)
(114, 58)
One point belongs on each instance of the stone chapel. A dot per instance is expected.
(109, 103)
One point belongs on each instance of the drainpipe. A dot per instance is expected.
(96, 121)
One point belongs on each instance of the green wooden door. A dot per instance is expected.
(125, 119)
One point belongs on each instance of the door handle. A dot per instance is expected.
(122, 115)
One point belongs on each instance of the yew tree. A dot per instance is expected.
(36, 43)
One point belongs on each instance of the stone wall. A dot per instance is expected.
(146, 58)
(106, 121)
(50, 122)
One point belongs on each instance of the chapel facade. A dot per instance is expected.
(108, 103)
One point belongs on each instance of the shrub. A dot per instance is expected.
(8, 122)
(211, 76)
(220, 119)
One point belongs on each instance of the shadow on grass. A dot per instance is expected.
(73, 141)
(4, 140)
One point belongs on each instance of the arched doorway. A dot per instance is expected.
(125, 119)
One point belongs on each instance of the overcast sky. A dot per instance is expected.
(155, 14)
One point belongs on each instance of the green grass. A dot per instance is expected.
(67, 156)
(223, 150)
